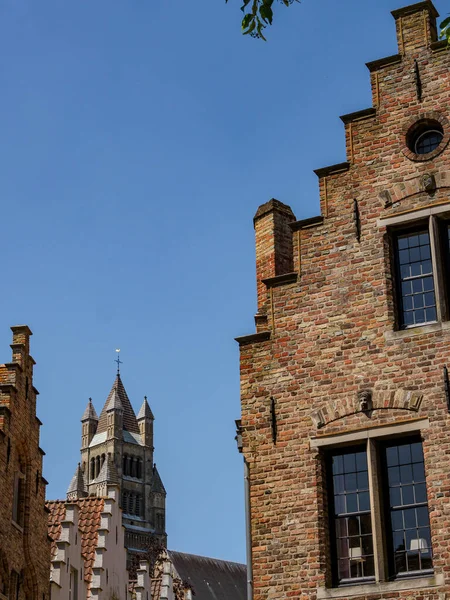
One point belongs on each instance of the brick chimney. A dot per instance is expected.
(416, 26)
(274, 254)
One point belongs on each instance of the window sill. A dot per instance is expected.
(368, 589)
(16, 525)
(419, 330)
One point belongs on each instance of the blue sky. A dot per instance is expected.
(138, 138)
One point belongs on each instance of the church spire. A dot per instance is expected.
(89, 412)
(89, 422)
(77, 488)
(145, 420)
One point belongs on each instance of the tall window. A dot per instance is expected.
(422, 272)
(418, 300)
(396, 482)
(353, 526)
(408, 509)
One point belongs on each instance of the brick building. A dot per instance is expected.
(24, 547)
(117, 449)
(345, 393)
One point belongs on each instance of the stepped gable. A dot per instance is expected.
(78, 483)
(89, 518)
(129, 418)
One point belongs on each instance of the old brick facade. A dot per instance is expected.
(24, 546)
(344, 384)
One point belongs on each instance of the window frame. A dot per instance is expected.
(382, 538)
(436, 225)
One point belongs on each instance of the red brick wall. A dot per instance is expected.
(332, 331)
(25, 550)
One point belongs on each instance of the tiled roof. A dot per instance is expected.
(78, 483)
(129, 418)
(145, 412)
(89, 413)
(57, 513)
(211, 579)
(156, 587)
(157, 484)
(89, 517)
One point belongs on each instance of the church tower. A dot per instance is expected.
(117, 448)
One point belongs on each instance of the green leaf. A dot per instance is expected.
(266, 13)
(445, 23)
(246, 21)
(244, 5)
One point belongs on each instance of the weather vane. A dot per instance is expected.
(118, 361)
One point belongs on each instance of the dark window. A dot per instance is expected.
(351, 516)
(415, 278)
(427, 141)
(398, 480)
(408, 509)
(424, 136)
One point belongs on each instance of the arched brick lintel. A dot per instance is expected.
(333, 411)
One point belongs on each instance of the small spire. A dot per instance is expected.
(115, 403)
(118, 361)
(108, 472)
(89, 412)
(145, 412)
(77, 487)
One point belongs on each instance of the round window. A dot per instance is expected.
(424, 137)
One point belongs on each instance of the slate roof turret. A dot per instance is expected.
(157, 484)
(108, 472)
(78, 483)
(89, 413)
(145, 412)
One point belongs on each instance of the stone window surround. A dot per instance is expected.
(432, 214)
(377, 587)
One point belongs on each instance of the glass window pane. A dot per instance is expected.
(364, 501)
(406, 474)
(352, 503)
(365, 524)
(392, 456)
(350, 482)
(361, 461)
(397, 520)
(338, 481)
(394, 475)
(338, 464)
(418, 472)
(363, 480)
(416, 452)
(404, 454)
(395, 496)
(353, 526)
(349, 463)
(408, 494)
(420, 493)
